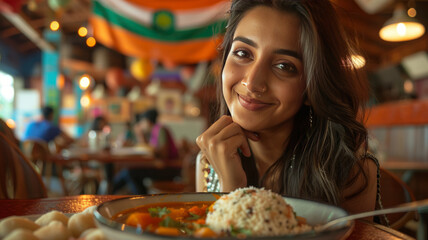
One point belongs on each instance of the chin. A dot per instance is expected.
(246, 123)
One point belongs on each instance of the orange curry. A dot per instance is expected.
(172, 219)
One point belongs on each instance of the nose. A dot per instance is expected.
(255, 79)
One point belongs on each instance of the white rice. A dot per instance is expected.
(259, 212)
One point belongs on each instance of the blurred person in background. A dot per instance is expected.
(45, 130)
(100, 123)
(96, 137)
(148, 132)
(127, 137)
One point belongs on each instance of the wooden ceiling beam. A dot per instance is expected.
(370, 48)
(350, 9)
(28, 46)
(13, 31)
(395, 55)
(361, 30)
(13, 44)
(28, 31)
(9, 32)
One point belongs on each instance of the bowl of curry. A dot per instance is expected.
(183, 216)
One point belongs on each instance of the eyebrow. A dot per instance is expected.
(246, 40)
(278, 51)
(288, 52)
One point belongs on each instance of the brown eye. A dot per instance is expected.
(241, 54)
(286, 67)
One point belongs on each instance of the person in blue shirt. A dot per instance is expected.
(45, 129)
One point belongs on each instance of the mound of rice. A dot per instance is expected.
(255, 212)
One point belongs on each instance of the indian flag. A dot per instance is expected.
(181, 31)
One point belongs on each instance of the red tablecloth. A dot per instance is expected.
(73, 204)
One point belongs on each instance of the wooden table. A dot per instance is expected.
(74, 204)
(111, 159)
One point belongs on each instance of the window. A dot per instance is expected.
(7, 94)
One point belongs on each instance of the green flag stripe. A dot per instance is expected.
(149, 32)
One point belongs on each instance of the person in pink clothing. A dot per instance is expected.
(148, 131)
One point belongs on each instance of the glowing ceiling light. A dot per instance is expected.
(60, 81)
(10, 123)
(408, 86)
(91, 41)
(411, 12)
(401, 27)
(54, 26)
(85, 101)
(82, 31)
(84, 82)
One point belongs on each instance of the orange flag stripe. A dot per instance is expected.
(139, 46)
(175, 4)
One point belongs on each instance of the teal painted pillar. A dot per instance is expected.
(78, 93)
(50, 70)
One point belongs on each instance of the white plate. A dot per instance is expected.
(314, 212)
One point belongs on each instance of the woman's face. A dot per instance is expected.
(145, 125)
(262, 76)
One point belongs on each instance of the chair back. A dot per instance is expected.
(18, 178)
(37, 151)
(394, 191)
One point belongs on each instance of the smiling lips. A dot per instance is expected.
(251, 103)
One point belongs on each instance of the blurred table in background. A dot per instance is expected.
(109, 160)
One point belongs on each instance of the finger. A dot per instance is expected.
(251, 135)
(245, 149)
(213, 130)
(229, 147)
(221, 123)
(235, 131)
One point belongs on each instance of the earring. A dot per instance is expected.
(293, 158)
(310, 117)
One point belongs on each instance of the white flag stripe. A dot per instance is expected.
(201, 16)
(184, 19)
(136, 13)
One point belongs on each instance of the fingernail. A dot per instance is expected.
(247, 154)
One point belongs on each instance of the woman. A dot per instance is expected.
(99, 124)
(290, 109)
(148, 131)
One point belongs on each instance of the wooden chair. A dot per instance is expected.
(37, 151)
(18, 177)
(75, 177)
(394, 191)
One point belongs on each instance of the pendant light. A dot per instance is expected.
(401, 27)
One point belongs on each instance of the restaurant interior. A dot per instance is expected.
(109, 61)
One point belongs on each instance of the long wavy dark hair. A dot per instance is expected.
(325, 152)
